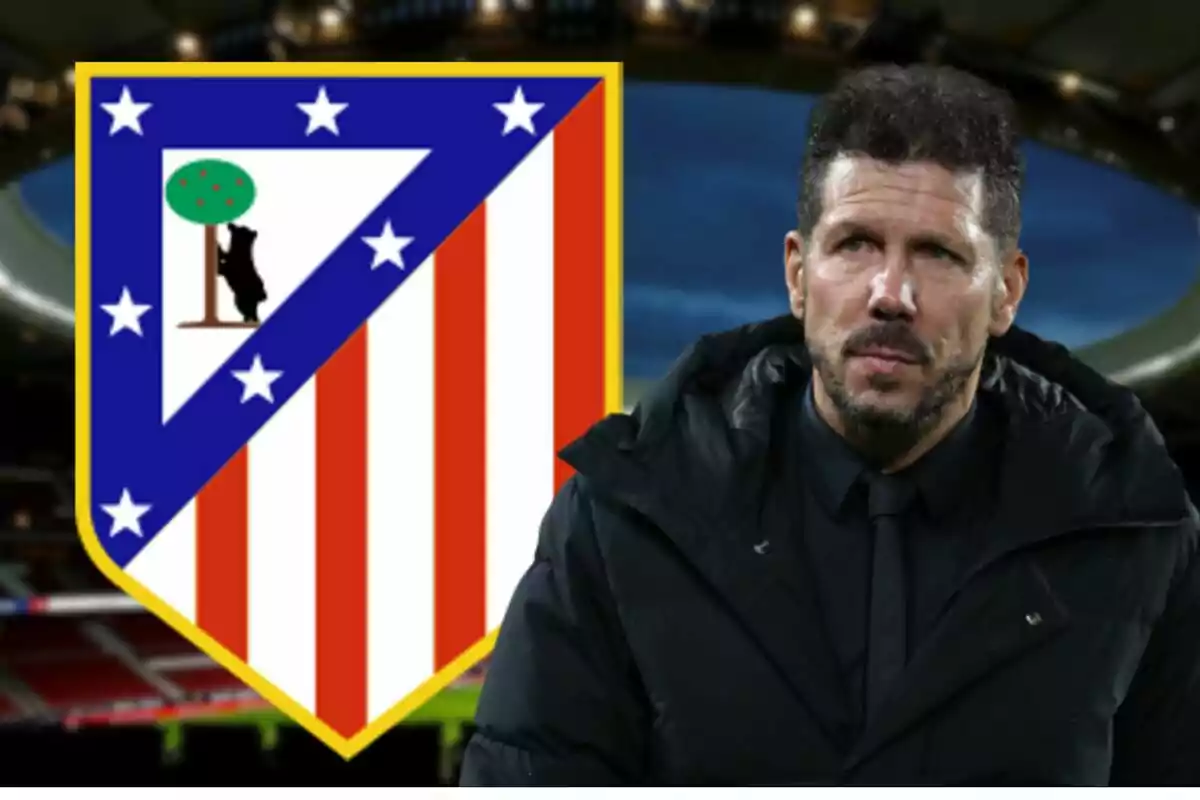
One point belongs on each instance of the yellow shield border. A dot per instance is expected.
(609, 73)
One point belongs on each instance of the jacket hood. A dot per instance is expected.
(1090, 454)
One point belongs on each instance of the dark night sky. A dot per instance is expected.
(710, 181)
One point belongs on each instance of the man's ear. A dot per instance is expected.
(1009, 293)
(793, 271)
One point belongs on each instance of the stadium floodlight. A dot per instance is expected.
(187, 46)
(331, 19)
(1069, 83)
(655, 10)
(284, 24)
(803, 19)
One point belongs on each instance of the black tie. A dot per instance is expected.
(887, 645)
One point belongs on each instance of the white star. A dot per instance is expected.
(126, 314)
(126, 113)
(518, 113)
(126, 515)
(387, 246)
(256, 381)
(322, 113)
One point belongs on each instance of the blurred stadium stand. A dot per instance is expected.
(1112, 82)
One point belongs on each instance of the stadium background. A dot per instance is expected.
(718, 93)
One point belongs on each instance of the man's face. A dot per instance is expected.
(899, 289)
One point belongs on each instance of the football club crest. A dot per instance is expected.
(333, 323)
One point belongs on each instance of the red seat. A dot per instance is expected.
(83, 682)
(210, 679)
(41, 638)
(148, 635)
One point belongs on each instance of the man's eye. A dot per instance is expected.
(853, 243)
(939, 252)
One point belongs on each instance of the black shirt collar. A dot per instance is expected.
(833, 466)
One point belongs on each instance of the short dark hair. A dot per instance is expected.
(920, 113)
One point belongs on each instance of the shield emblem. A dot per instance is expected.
(333, 323)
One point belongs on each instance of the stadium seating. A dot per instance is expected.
(79, 683)
(148, 635)
(24, 638)
(204, 681)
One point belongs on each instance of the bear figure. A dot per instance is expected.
(236, 266)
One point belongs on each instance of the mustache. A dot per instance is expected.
(892, 335)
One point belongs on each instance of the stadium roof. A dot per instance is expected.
(1126, 63)
(1148, 48)
(1143, 48)
(1128, 76)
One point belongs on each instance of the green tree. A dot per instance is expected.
(210, 192)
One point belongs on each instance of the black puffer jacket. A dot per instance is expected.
(649, 643)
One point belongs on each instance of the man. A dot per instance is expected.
(886, 539)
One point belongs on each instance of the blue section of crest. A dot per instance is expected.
(166, 465)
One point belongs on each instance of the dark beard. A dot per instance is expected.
(883, 436)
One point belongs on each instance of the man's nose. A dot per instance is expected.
(893, 292)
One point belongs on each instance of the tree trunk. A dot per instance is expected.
(210, 274)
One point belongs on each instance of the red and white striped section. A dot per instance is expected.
(376, 527)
